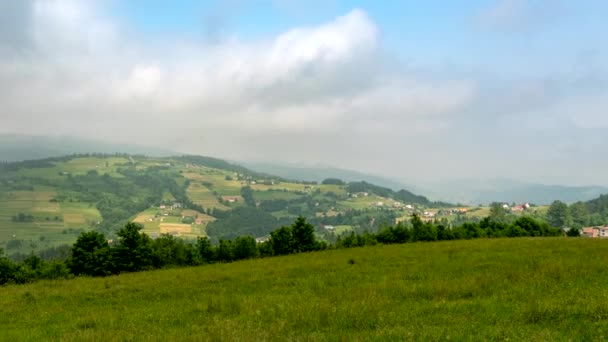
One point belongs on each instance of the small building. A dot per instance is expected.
(603, 232)
(591, 232)
(329, 227)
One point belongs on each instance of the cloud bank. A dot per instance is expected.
(321, 94)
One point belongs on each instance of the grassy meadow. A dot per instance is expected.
(539, 289)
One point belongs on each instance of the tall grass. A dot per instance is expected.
(503, 289)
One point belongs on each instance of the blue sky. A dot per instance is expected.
(529, 35)
(424, 90)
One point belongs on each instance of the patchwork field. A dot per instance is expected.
(293, 187)
(218, 181)
(155, 222)
(51, 224)
(204, 197)
(535, 289)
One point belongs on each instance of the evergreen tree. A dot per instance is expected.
(422, 231)
(90, 255)
(282, 241)
(225, 251)
(304, 239)
(7, 268)
(134, 250)
(205, 250)
(245, 247)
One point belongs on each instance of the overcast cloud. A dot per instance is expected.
(330, 93)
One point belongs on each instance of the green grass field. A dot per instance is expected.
(536, 289)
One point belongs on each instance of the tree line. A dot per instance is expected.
(93, 255)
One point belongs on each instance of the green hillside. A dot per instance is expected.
(46, 203)
(540, 289)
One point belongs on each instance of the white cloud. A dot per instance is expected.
(300, 78)
(317, 94)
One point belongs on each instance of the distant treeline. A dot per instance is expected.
(401, 195)
(49, 162)
(93, 255)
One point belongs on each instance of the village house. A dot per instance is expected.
(517, 208)
(592, 232)
(429, 214)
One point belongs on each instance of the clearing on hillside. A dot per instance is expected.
(168, 228)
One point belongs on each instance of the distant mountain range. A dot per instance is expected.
(484, 192)
(318, 174)
(471, 192)
(23, 147)
(26, 147)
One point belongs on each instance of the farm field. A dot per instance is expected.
(155, 222)
(54, 223)
(540, 289)
(204, 197)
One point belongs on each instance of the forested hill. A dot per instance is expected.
(401, 195)
(48, 202)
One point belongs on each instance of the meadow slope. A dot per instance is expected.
(504, 289)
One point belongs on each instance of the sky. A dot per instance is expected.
(414, 90)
